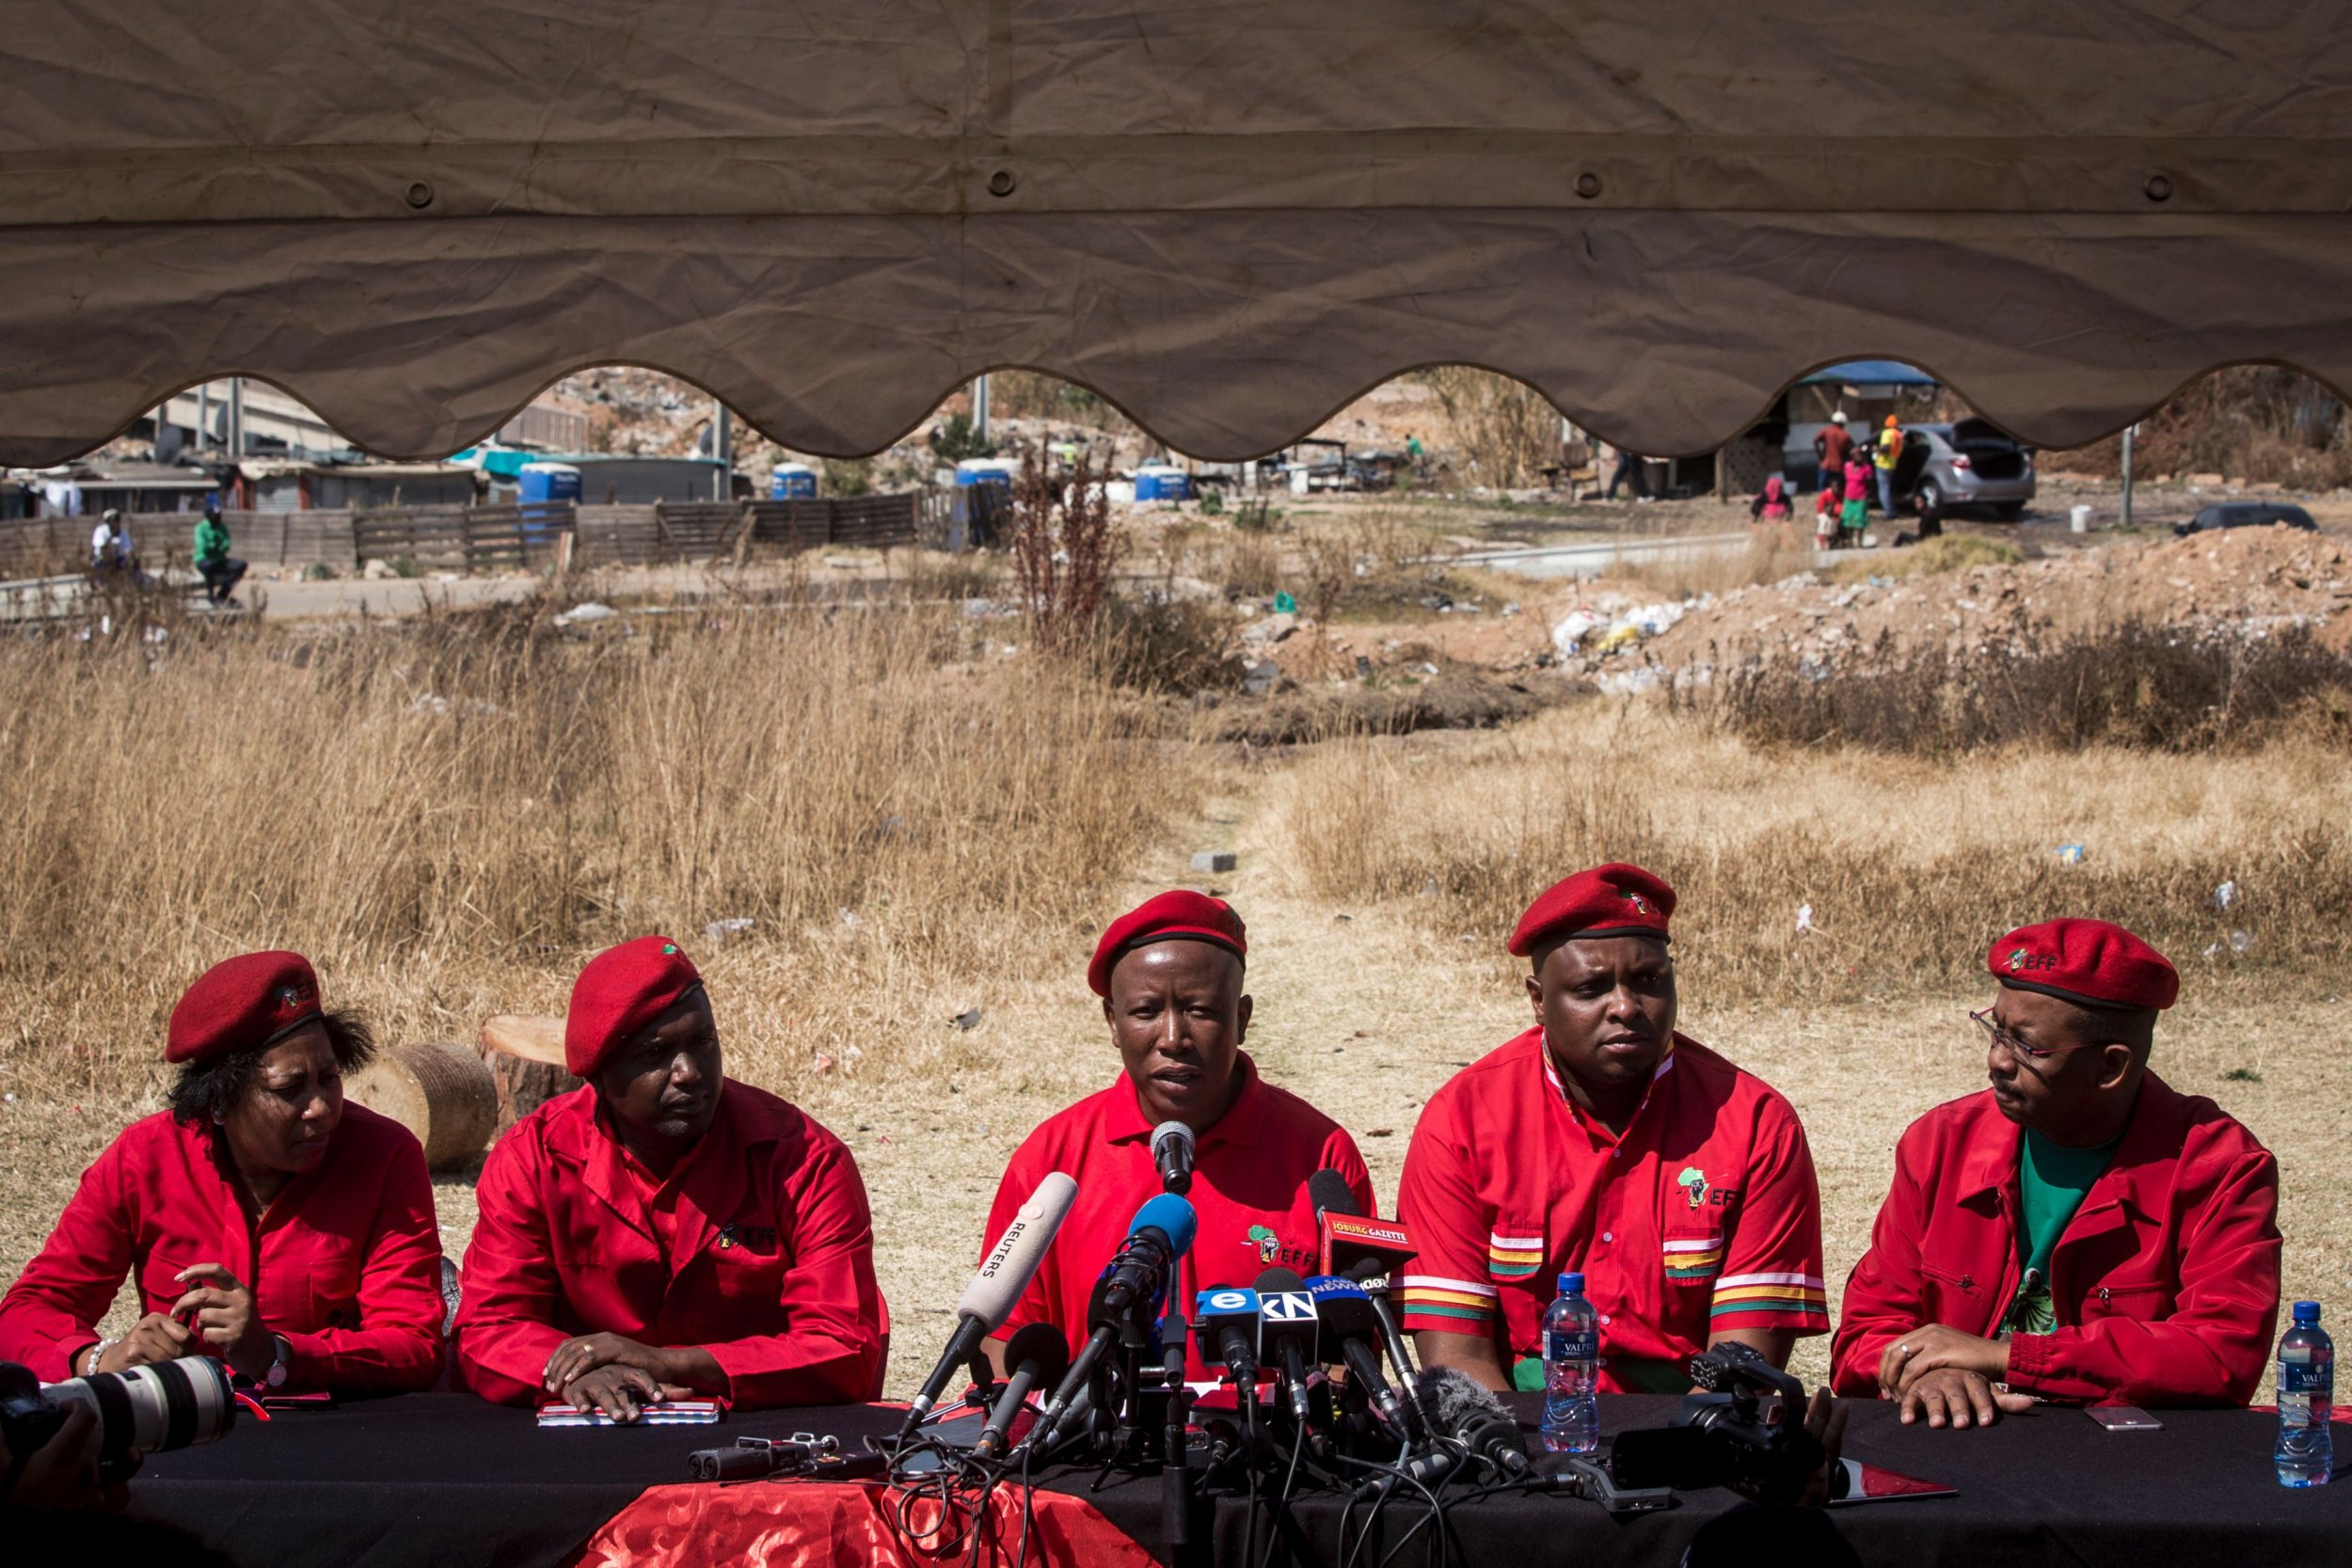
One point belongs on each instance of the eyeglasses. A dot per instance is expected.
(2018, 1048)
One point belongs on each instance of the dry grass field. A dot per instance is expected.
(449, 815)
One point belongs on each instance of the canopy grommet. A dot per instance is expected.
(419, 194)
(1588, 185)
(2158, 188)
(1002, 182)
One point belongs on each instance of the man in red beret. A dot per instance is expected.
(663, 1230)
(1170, 975)
(2079, 1230)
(1601, 1141)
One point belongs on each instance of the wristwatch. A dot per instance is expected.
(276, 1376)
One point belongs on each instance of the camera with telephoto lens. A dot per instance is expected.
(1728, 1434)
(170, 1404)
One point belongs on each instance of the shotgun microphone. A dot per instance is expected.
(1004, 1274)
(1172, 1152)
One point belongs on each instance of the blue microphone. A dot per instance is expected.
(1126, 1300)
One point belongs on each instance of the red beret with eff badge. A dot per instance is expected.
(2094, 963)
(1180, 914)
(1615, 901)
(622, 991)
(243, 1004)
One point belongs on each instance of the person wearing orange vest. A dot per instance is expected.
(1884, 454)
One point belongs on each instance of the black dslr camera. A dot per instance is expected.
(1728, 1435)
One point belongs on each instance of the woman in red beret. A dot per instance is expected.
(265, 1222)
(1171, 973)
(665, 1230)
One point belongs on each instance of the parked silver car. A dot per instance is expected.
(1966, 464)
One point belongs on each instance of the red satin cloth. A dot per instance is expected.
(821, 1524)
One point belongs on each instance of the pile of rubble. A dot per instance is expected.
(2253, 581)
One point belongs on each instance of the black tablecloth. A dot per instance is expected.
(445, 1479)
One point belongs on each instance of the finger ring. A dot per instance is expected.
(1902, 1350)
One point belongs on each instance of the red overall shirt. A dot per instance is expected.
(1249, 1189)
(346, 1264)
(770, 1268)
(1703, 1217)
(2165, 1284)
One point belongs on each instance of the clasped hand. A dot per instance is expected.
(614, 1374)
(1947, 1377)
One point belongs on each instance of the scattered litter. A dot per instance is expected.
(2070, 854)
(1285, 605)
(848, 919)
(968, 1019)
(1381, 1133)
(1216, 860)
(826, 1063)
(1804, 918)
(719, 930)
(2240, 941)
(1339, 919)
(1260, 678)
(580, 614)
(2224, 895)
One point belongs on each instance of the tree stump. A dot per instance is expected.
(525, 1056)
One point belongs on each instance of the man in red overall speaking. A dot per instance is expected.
(2079, 1231)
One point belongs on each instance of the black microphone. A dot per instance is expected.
(1287, 1329)
(1349, 1324)
(1036, 1356)
(1331, 1195)
(1172, 1152)
(1175, 1476)
(1467, 1411)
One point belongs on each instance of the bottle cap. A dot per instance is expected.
(1573, 1285)
(2305, 1313)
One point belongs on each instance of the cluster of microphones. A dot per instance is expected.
(1311, 1365)
(1306, 1365)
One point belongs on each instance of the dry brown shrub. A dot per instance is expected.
(2132, 684)
(1064, 549)
(1911, 868)
(449, 814)
(1508, 431)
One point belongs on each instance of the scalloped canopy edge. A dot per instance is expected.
(1225, 335)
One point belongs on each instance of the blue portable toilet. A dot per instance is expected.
(791, 481)
(986, 470)
(548, 483)
(1162, 481)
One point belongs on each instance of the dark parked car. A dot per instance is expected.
(2247, 514)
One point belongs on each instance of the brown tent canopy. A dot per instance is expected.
(1226, 216)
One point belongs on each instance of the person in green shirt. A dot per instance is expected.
(221, 574)
(2052, 1178)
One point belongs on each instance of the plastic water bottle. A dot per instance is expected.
(1571, 1370)
(2307, 1396)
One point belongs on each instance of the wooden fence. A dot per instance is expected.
(494, 538)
